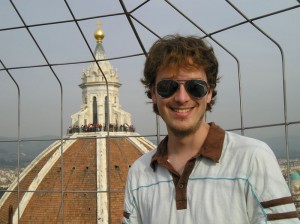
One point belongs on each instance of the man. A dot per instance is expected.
(200, 173)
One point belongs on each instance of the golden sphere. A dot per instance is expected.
(99, 35)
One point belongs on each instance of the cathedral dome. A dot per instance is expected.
(88, 181)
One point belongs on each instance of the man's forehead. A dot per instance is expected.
(175, 71)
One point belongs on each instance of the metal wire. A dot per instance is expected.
(19, 125)
(283, 81)
(131, 18)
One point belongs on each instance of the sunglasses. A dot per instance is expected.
(195, 87)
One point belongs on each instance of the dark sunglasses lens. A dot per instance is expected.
(166, 88)
(197, 88)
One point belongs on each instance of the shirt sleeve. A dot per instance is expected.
(130, 213)
(269, 199)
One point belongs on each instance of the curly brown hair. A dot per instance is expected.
(175, 52)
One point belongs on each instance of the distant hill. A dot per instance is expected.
(277, 144)
(29, 149)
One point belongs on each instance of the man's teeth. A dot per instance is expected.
(181, 110)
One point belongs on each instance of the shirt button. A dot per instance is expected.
(181, 185)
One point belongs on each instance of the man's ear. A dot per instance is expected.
(209, 95)
(153, 95)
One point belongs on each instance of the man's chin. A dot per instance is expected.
(182, 132)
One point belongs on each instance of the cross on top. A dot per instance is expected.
(99, 24)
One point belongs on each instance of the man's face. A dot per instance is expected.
(182, 113)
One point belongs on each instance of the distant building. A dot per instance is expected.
(295, 188)
(80, 179)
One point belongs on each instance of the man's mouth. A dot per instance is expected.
(182, 110)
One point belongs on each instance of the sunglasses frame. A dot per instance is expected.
(186, 87)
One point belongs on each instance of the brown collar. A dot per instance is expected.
(211, 149)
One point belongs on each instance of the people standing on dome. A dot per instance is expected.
(200, 173)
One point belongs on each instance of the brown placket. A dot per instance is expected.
(180, 181)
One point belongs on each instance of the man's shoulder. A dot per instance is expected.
(143, 161)
(243, 156)
(245, 146)
(241, 141)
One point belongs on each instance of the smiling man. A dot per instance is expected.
(200, 173)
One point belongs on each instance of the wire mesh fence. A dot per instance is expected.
(46, 45)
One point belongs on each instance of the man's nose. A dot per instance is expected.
(181, 94)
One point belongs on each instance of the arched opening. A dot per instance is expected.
(10, 214)
(95, 111)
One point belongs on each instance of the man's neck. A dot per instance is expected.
(183, 148)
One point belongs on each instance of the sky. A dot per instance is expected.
(42, 87)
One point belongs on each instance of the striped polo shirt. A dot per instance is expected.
(232, 180)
